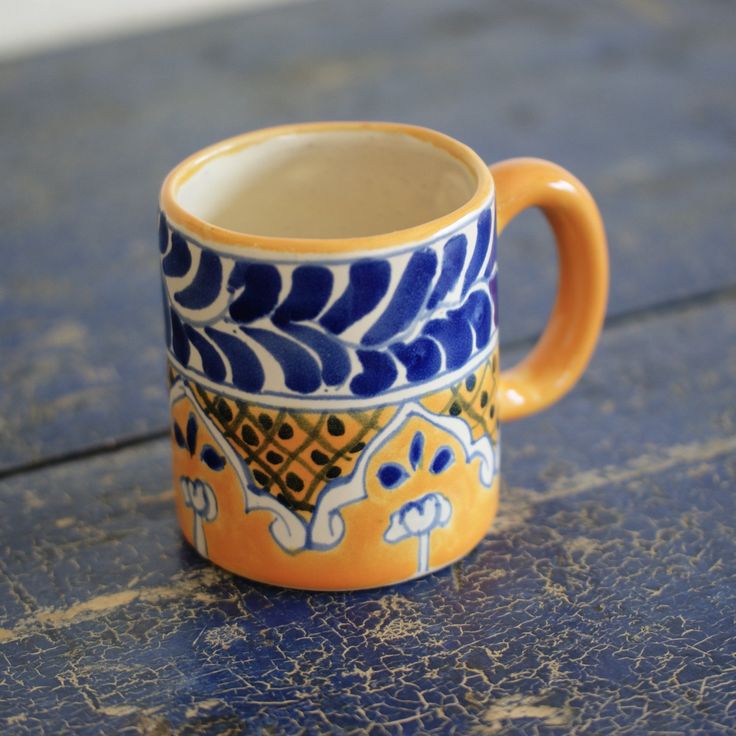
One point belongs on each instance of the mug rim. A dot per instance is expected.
(214, 234)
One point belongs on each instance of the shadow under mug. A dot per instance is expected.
(331, 311)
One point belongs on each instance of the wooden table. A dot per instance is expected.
(603, 598)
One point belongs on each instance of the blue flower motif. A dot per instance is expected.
(188, 442)
(212, 458)
(392, 475)
(416, 451)
(208, 454)
(418, 518)
(198, 495)
(201, 499)
(443, 458)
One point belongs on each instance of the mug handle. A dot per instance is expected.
(560, 356)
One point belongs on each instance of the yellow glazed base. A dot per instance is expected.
(340, 500)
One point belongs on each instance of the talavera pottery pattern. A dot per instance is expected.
(335, 417)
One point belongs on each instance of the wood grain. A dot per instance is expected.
(634, 97)
(602, 600)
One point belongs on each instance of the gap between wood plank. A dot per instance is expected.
(668, 307)
(84, 453)
(196, 584)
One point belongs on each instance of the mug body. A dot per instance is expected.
(331, 323)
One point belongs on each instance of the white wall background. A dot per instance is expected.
(30, 26)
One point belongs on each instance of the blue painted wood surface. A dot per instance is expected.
(603, 598)
(635, 97)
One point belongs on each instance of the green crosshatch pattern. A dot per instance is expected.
(473, 399)
(295, 454)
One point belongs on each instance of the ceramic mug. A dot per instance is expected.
(330, 299)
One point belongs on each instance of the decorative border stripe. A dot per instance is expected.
(363, 329)
(319, 403)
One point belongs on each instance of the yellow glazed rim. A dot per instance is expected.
(207, 232)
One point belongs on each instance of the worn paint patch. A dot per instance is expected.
(202, 707)
(116, 711)
(192, 586)
(518, 503)
(504, 712)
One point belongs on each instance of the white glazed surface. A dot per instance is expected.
(333, 184)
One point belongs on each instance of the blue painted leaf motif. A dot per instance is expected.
(443, 458)
(212, 364)
(212, 458)
(453, 260)
(311, 287)
(391, 475)
(247, 371)
(237, 276)
(262, 284)
(167, 317)
(494, 299)
(477, 313)
(369, 280)
(455, 336)
(179, 342)
(205, 285)
(407, 299)
(179, 437)
(179, 259)
(332, 355)
(425, 279)
(480, 250)
(379, 373)
(416, 451)
(163, 233)
(422, 358)
(191, 434)
(301, 372)
(491, 262)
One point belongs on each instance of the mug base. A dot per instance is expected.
(342, 500)
(370, 579)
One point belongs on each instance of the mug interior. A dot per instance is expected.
(327, 184)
